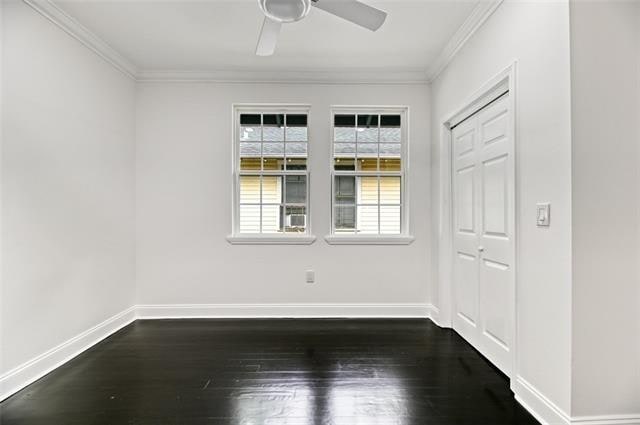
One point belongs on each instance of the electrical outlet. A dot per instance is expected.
(310, 276)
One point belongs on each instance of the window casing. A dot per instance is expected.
(271, 177)
(368, 172)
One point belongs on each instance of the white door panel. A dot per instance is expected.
(483, 186)
(465, 200)
(468, 287)
(494, 194)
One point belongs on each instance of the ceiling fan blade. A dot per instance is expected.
(268, 37)
(353, 11)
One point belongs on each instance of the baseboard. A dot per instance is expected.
(547, 413)
(606, 420)
(179, 311)
(543, 409)
(29, 372)
(434, 315)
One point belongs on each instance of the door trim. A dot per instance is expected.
(483, 96)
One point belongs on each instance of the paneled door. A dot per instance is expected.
(483, 208)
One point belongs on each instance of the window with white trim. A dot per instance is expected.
(368, 171)
(271, 173)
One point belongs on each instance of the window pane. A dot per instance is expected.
(250, 134)
(390, 121)
(342, 120)
(295, 219)
(367, 219)
(249, 218)
(369, 164)
(378, 153)
(271, 164)
(344, 164)
(367, 150)
(297, 120)
(250, 163)
(367, 129)
(272, 149)
(390, 128)
(367, 121)
(271, 189)
(390, 190)
(341, 134)
(249, 189)
(367, 135)
(250, 119)
(389, 219)
(249, 150)
(250, 129)
(296, 130)
(296, 163)
(273, 134)
(296, 190)
(368, 190)
(344, 128)
(273, 120)
(390, 150)
(390, 164)
(271, 218)
(344, 149)
(344, 219)
(273, 144)
(273, 128)
(297, 134)
(296, 149)
(344, 189)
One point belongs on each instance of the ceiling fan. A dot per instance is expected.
(278, 12)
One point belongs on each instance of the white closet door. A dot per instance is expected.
(483, 186)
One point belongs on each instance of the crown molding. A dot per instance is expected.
(474, 21)
(71, 26)
(283, 76)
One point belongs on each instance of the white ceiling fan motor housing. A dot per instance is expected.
(285, 11)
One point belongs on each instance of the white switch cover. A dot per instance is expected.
(311, 276)
(543, 214)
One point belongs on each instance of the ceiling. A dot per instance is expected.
(221, 35)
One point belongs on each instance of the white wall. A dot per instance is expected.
(68, 189)
(184, 178)
(605, 72)
(536, 34)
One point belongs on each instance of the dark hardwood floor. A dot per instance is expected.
(265, 372)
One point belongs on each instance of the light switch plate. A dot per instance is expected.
(543, 214)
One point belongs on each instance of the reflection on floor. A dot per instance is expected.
(263, 372)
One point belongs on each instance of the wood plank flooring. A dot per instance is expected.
(265, 372)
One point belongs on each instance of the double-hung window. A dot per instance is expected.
(369, 159)
(271, 174)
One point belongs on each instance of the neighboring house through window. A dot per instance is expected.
(271, 170)
(368, 164)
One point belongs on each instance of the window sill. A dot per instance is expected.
(271, 240)
(369, 240)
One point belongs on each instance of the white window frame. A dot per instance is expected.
(404, 237)
(236, 237)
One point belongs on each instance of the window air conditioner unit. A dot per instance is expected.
(297, 220)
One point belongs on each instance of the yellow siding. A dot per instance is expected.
(250, 194)
(389, 190)
(368, 193)
(249, 189)
(368, 214)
